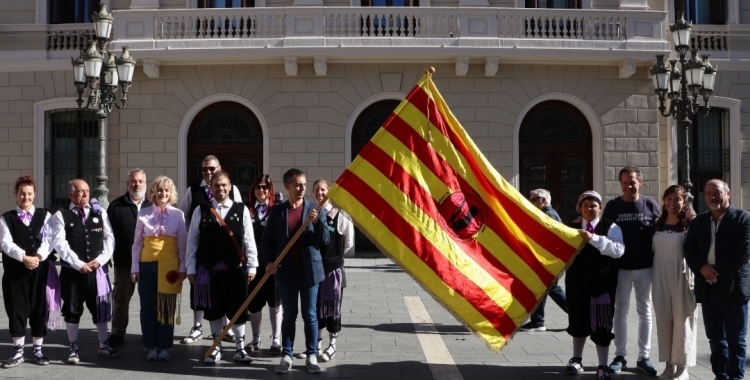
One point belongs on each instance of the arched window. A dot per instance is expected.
(555, 154)
(232, 133)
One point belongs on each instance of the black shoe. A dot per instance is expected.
(574, 366)
(644, 364)
(116, 340)
(618, 364)
(531, 326)
(602, 373)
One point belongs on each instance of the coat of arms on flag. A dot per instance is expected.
(430, 200)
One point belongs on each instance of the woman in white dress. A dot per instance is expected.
(672, 288)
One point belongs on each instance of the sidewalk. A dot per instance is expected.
(378, 341)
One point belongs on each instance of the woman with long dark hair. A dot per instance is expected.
(25, 272)
(672, 287)
(262, 198)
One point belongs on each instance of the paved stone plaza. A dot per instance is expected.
(378, 341)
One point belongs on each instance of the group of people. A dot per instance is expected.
(213, 240)
(674, 260)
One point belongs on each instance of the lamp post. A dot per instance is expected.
(101, 72)
(683, 87)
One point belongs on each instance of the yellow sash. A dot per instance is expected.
(163, 249)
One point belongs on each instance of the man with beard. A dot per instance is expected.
(717, 250)
(123, 213)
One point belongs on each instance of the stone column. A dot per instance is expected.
(101, 192)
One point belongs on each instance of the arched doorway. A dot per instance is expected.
(555, 154)
(368, 122)
(232, 133)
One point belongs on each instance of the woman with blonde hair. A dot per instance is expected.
(158, 266)
(673, 282)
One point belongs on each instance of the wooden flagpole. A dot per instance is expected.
(262, 281)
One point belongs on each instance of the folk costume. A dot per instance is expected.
(268, 294)
(331, 290)
(158, 256)
(195, 195)
(220, 269)
(25, 290)
(80, 235)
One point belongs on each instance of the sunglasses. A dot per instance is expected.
(261, 187)
(534, 199)
(208, 168)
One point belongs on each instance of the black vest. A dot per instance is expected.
(87, 241)
(597, 273)
(215, 245)
(199, 196)
(26, 237)
(333, 253)
(259, 225)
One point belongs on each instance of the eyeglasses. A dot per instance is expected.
(208, 168)
(261, 187)
(533, 200)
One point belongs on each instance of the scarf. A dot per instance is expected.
(103, 296)
(330, 295)
(163, 251)
(54, 310)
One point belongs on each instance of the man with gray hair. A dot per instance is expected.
(717, 250)
(542, 199)
(199, 193)
(123, 214)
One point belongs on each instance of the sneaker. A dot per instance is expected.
(618, 364)
(574, 366)
(602, 373)
(73, 357)
(153, 355)
(532, 327)
(215, 356)
(644, 364)
(284, 365)
(241, 356)
(107, 351)
(302, 355)
(164, 355)
(275, 349)
(116, 340)
(254, 346)
(328, 354)
(312, 364)
(196, 333)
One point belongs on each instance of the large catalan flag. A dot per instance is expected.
(425, 194)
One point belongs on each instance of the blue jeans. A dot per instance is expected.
(558, 295)
(308, 297)
(154, 334)
(726, 327)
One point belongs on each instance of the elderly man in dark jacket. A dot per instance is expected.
(123, 213)
(717, 250)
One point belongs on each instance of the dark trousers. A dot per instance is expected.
(122, 292)
(558, 295)
(580, 314)
(25, 298)
(155, 334)
(77, 289)
(228, 293)
(726, 327)
(266, 294)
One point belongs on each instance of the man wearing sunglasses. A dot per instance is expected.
(196, 194)
(541, 198)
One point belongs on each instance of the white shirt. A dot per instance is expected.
(12, 249)
(346, 228)
(251, 251)
(59, 242)
(611, 245)
(187, 199)
(137, 204)
(712, 248)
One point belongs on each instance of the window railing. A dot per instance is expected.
(69, 36)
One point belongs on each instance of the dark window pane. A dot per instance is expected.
(71, 151)
(553, 125)
(226, 3)
(71, 11)
(702, 11)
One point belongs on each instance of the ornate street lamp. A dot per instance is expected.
(682, 87)
(102, 73)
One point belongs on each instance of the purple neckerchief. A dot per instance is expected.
(330, 295)
(160, 220)
(201, 287)
(24, 217)
(95, 206)
(54, 310)
(103, 296)
(601, 316)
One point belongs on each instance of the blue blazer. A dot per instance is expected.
(276, 236)
(732, 255)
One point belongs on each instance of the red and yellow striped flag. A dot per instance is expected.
(428, 198)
